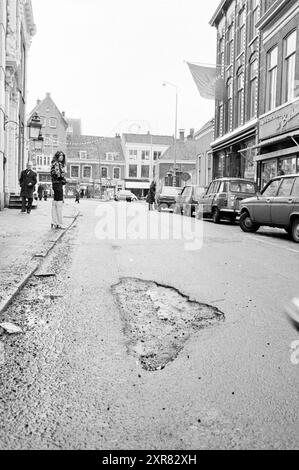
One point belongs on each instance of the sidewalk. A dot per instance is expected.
(24, 240)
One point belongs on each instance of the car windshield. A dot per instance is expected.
(170, 191)
(242, 187)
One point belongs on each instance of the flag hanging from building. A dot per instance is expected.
(209, 82)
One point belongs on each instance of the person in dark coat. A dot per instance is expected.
(28, 180)
(151, 197)
(40, 190)
(77, 195)
(58, 181)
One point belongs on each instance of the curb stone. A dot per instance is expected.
(6, 302)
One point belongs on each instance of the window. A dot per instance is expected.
(74, 171)
(221, 51)
(82, 154)
(240, 187)
(144, 171)
(271, 80)
(286, 187)
(116, 173)
(240, 97)
(104, 172)
(241, 32)
(109, 156)
(253, 18)
(133, 171)
(53, 122)
(229, 91)
(271, 190)
(133, 154)
(45, 161)
(295, 191)
(55, 140)
(229, 49)
(47, 140)
(145, 155)
(87, 172)
(253, 71)
(289, 64)
(157, 155)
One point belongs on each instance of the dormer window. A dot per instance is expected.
(82, 154)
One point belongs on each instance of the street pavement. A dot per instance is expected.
(69, 380)
(24, 238)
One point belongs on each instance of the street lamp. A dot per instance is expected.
(175, 128)
(35, 127)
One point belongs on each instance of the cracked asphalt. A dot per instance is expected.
(70, 382)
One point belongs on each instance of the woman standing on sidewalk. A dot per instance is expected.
(58, 181)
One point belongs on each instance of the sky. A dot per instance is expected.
(104, 61)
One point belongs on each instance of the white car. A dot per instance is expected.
(125, 195)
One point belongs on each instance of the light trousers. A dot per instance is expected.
(57, 212)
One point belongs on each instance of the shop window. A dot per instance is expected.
(269, 170)
(288, 165)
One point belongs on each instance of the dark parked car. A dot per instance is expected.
(276, 206)
(187, 200)
(222, 198)
(125, 195)
(166, 199)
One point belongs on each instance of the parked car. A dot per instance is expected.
(222, 198)
(187, 200)
(125, 195)
(276, 206)
(166, 199)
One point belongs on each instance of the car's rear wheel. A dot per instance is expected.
(295, 230)
(159, 208)
(247, 224)
(216, 215)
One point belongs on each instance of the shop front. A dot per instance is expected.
(234, 155)
(279, 143)
(139, 188)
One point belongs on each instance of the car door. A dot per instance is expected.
(186, 199)
(209, 197)
(282, 204)
(261, 207)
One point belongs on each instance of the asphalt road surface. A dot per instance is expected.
(73, 380)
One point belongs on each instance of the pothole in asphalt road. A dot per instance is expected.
(158, 320)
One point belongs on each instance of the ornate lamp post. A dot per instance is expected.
(175, 129)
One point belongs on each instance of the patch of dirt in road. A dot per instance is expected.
(158, 320)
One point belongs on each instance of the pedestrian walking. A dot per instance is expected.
(151, 197)
(58, 181)
(45, 194)
(28, 180)
(77, 195)
(40, 190)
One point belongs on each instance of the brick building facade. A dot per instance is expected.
(54, 132)
(95, 165)
(279, 91)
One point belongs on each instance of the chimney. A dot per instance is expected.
(191, 135)
(182, 134)
(48, 95)
(63, 114)
(38, 102)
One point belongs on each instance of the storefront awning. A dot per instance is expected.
(291, 135)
